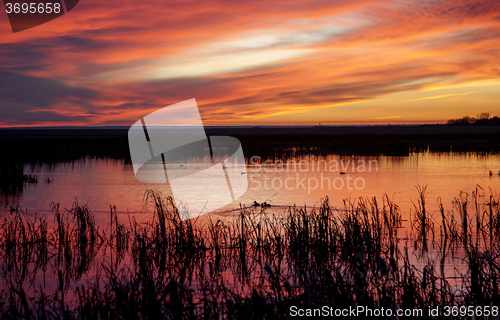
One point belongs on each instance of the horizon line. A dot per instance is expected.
(233, 126)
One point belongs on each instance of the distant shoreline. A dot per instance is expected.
(66, 144)
(109, 132)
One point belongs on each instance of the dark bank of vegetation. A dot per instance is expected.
(13, 179)
(253, 266)
(52, 146)
(283, 146)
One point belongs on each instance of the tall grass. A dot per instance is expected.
(256, 264)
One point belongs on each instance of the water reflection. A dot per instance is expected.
(300, 180)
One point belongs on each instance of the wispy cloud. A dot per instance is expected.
(442, 96)
(388, 117)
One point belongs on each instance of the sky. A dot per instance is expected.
(254, 63)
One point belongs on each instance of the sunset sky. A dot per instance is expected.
(254, 62)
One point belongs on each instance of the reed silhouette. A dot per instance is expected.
(256, 264)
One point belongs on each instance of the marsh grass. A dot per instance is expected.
(13, 179)
(253, 265)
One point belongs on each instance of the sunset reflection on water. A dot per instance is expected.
(298, 181)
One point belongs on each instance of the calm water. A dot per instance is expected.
(300, 181)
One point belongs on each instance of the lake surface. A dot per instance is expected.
(297, 181)
(300, 181)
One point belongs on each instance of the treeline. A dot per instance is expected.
(482, 119)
